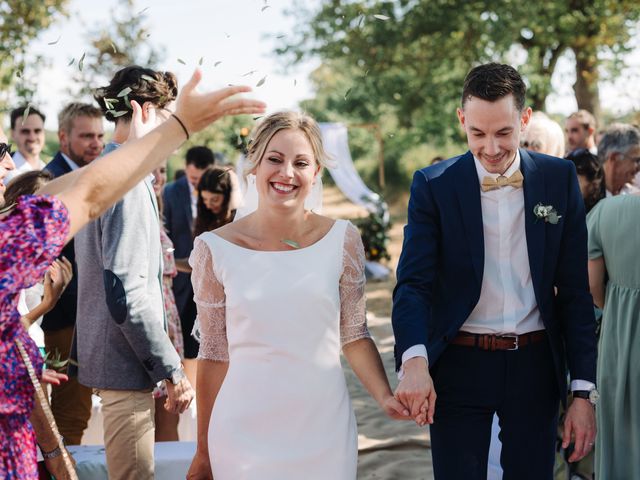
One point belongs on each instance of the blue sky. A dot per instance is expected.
(241, 35)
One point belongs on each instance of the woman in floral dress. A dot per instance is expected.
(33, 235)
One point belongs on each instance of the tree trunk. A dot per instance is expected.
(586, 86)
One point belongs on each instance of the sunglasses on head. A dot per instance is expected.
(4, 149)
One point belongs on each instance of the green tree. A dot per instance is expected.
(21, 21)
(124, 40)
(408, 58)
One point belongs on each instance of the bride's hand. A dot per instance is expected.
(394, 409)
(200, 468)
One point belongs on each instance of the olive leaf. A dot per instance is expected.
(108, 102)
(124, 92)
(381, 17)
(115, 50)
(182, 61)
(119, 113)
(347, 94)
(25, 114)
(264, 8)
(71, 62)
(261, 82)
(147, 78)
(81, 62)
(55, 41)
(200, 61)
(248, 73)
(217, 63)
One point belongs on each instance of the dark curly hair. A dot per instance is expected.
(215, 180)
(144, 84)
(589, 167)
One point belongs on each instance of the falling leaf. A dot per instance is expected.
(81, 62)
(182, 61)
(361, 20)
(55, 41)
(200, 61)
(216, 64)
(257, 118)
(147, 78)
(381, 17)
(115, 50)
(265, 7)
(119, 114)
(281, 36)
(228, 36)
(143, 10)
(19, 73)
(71, 62)
(248, 73)
(347, 94)
(295, 82)
(261, 82)
(125, 91)
(25, 114)
(366, 73)
(291, 243)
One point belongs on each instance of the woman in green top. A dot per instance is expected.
(614, 229)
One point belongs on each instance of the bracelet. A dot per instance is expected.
(186, 132)
(56, 452)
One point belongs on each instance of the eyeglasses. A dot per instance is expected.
(4, 149)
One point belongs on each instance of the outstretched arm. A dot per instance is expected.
(88, 192)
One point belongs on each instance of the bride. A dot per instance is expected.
(279, 293)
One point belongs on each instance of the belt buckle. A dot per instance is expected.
(516, 343)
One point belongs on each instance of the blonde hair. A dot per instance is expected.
(73, 111)
(272, 124)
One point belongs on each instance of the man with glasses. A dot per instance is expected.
(619, 155)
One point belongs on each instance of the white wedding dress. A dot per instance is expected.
(280, 318)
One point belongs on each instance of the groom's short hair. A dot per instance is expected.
(493, 81)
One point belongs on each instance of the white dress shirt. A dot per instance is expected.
(22, 166)
(194, 200)
(72, 165)
(507, 304)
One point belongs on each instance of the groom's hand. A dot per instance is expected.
(415, 391)
(580, 426)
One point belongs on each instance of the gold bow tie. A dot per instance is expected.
(515, 180)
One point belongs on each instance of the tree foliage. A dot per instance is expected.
(123, 40)
(21, 21)
(408, 58)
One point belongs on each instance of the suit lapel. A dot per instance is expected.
(186, 191)
(152, 194)
(468, 192)
(534, 193)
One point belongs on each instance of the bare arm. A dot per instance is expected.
(208, 382)
(365, 361)
(597, 270)
(88, 192)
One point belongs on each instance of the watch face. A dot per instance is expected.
(594, 396)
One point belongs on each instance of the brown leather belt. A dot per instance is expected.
(498, 342)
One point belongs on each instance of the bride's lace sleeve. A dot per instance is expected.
(353, 319)
(210, 325)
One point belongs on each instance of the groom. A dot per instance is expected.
(492, 300)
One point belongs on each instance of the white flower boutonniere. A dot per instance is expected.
(546, 213)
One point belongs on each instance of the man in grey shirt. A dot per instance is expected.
(123, 349)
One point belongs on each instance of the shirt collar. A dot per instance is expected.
(71, 163)
(482, 172)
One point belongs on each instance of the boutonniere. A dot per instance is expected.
(547, 213)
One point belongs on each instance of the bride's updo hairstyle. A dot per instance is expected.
(272, 124)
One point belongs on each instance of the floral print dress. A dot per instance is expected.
(31, 238)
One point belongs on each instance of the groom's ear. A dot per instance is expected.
(525, 118)
(460, 113)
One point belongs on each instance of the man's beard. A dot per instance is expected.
(78, 159)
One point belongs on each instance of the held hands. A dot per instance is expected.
(579, 426)
(53, 378)
(416, 392)
(56, 467)
(179, 396)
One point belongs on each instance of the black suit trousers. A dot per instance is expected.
(472, 385)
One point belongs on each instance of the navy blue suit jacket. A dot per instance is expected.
(442, 261)
(178, 221)
(63, 313)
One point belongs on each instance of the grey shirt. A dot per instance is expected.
(122, 342)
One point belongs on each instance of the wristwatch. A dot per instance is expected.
(591, 395)
(56, 452)
(176, 376)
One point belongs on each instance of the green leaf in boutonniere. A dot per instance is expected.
(291, 243)
(547, 213)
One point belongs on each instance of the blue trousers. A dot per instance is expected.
(472, 385)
